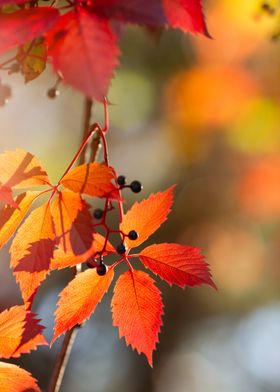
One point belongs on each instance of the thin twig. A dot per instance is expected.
(68, 341)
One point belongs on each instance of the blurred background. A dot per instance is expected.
(204, 114)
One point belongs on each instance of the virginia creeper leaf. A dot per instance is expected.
(32, 61)
(137, 309)
(79, 299)
(177, 264)
(73, 222)
(84, 51)
(15, 379)
(20, 169)
(186, 15)
(21, 26)
(142, 12)
(20, 332)
(62, 259)
(11, 217)
(93, 179)
(147, 216)
(32, 250)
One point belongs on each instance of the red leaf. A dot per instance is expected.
(177, 264)
(79, 299)
(20, 169)
(20, 332)
(186, 15)
(93, 179)
(21, 26)
(137, 309)
(32, 249)
(15, 379)
(142, 12)
(147, 216)
(84, 51)
(11, 217)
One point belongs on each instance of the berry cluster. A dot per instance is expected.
(101, 215)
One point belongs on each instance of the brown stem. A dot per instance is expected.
(68, 341)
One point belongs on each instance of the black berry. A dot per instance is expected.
(133, 235)
(98, 213)
(121, 249)
(52, 93)
(136, 186)
(121, 180)
(101, 269)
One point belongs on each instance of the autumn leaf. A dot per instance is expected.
(18, 27)
(73, 222)
(20, 169)
(62, 259)
(84, 51)
(137, 310)
(93, 179)
(79, 299)
(177, 264)
(15, 379)
(32, 59)
(186, 15)
(142, 12)
(11, 217)
(147, 216)
(32, 250)
(20, 332)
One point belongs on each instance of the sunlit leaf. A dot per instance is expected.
(79, 299)
(177, 264)
(147, 216)
(137, 310)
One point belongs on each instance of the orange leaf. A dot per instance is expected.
(12, 323)
(137, 309)
(177, 264)
(20, 332)
(93, 179)
(15, 379)
(20, 169)
(79, 299)
(69, 259)
(32, 250)
(11, 217)
(147, 216)
(73, 222)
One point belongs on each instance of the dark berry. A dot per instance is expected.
(121, 249)
(136, 186)
(14, 68)
(133, 235)
(53, 93)
(101, 269)
(121, 180)
(98, 213)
